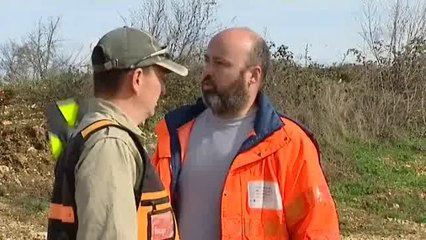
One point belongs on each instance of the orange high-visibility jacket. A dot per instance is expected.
(275, 187)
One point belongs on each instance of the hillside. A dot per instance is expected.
(25, 170)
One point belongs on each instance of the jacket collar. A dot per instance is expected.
(266, 122)
(98, 108)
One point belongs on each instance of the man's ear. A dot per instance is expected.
(136, 79)
(256, 74)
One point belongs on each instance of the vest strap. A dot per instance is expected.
(98, 125)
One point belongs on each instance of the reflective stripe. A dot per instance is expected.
(69, 109)
(61, 116)
(163, 206)
(95, 126)
(154, 195)
(55, 145)
(61, 213)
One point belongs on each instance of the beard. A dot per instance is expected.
(227, 101)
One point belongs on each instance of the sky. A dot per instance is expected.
(329, 27)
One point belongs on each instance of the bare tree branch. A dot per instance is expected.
(183, 25)
(13, 62)
(42, 46)
(37, 56)
(389, 31)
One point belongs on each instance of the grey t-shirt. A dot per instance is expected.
(213, 144)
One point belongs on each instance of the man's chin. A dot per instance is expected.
(207, 99)
(150, 114)
(212, 102)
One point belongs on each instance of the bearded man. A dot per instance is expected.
(234, 167)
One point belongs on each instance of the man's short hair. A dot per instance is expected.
(108, 82)
(260, 55)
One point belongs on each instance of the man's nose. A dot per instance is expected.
(207, 70)
(163, 91)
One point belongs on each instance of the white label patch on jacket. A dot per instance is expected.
(265, 195)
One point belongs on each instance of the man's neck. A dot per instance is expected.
(127, 109)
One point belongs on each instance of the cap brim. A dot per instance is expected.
(173, 67)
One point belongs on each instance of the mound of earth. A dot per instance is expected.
(26, 169)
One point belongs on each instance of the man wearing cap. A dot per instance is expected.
(105, 186)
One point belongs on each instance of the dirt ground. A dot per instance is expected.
(26, 178)
(17, 224)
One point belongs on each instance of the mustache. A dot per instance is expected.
(207, 80)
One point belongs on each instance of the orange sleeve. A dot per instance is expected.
(154, 158)
(162, 155)
(309, 207)
(162, 165)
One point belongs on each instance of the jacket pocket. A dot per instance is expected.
(156, 220)
(263, 211)
(270, 228)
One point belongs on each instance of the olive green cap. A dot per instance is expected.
(129, 48)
